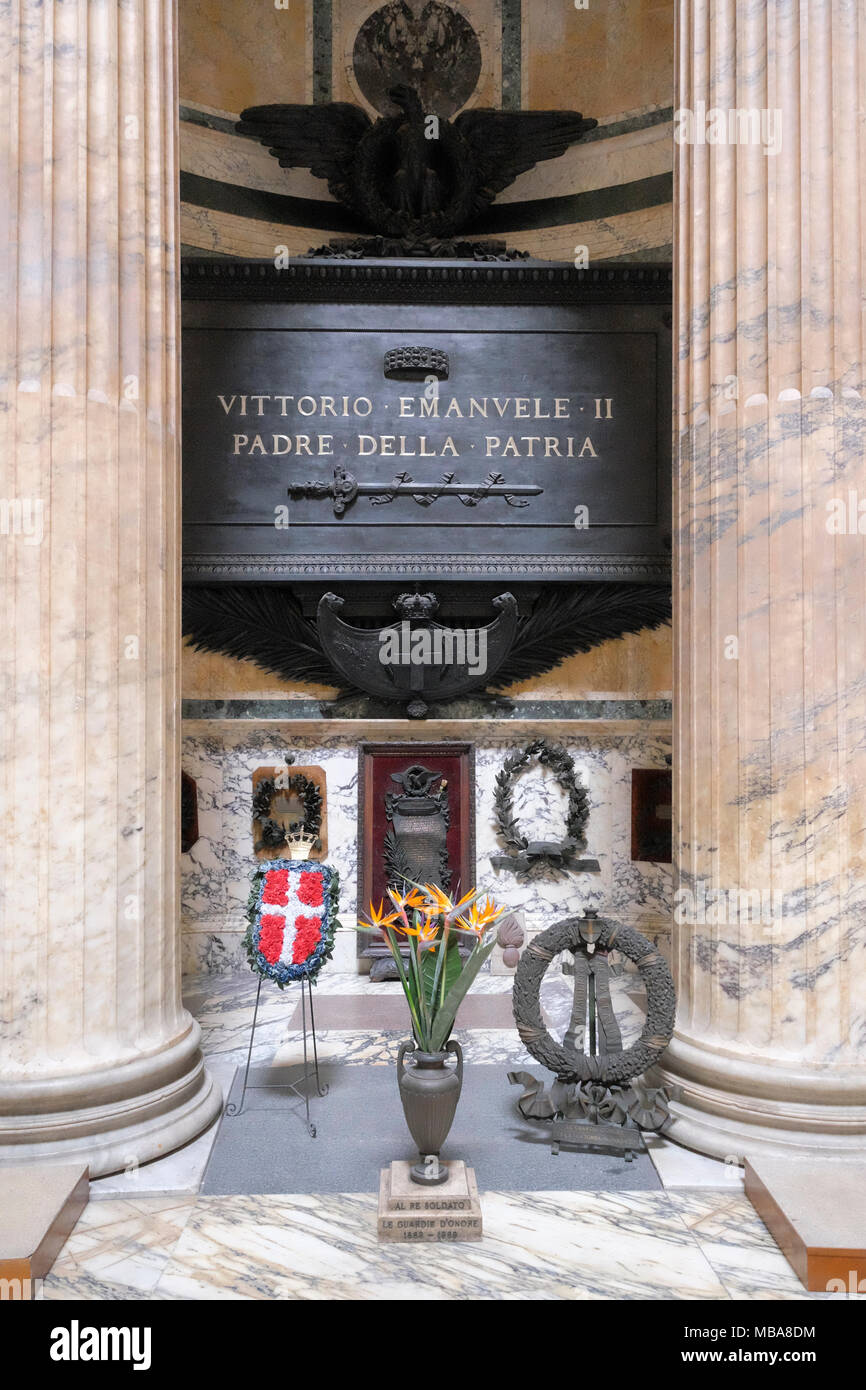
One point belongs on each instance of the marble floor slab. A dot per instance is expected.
(738, 1245)
(179, 1174)
(678, 1167)
(563, 1246)
(536, 1246)
(119, 1248)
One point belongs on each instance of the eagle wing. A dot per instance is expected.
(323, 139)
(507, 143)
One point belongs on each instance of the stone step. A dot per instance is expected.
(815, 1210)
(39, 1206)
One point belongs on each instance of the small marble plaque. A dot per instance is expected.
(409, 1212)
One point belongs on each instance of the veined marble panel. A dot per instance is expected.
(215, 874)
(738, 1245)
(536, 1246)
(119, 1248)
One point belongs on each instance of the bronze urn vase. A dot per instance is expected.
(430, 1090)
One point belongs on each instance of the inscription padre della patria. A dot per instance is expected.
(258, 439)
(328, 434)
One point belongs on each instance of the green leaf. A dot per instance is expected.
(432, 971)
(440, 959)
(456, 994)
(407, 989)
(419, 988)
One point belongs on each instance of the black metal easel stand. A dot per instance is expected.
(232, 1109)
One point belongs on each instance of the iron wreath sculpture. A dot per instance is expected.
(273, 834)
(522, 854)
(601, 1086)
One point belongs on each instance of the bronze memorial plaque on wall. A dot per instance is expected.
(367, 421)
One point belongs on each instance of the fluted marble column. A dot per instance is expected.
(770, 687)
(99, 1059)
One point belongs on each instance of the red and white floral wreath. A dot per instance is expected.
(292, 918)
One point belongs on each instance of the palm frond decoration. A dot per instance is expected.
(261, 623)
(264, 623)
(576, 619)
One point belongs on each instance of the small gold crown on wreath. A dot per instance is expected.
(299, 843)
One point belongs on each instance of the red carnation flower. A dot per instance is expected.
(311, 888)
(271, 937)
(308, 934)
(276, 891)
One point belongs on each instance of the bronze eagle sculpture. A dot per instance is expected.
(412, 173)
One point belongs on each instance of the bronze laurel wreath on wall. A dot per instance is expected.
(274, 834)
(555, 757)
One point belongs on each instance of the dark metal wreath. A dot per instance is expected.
(524, 853)
(273, 834)
(615, 1067)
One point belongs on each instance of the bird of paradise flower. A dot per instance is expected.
(434, 976)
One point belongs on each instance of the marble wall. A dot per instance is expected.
(215, 880)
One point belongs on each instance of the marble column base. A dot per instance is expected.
(729, 1105)
(114, 1119)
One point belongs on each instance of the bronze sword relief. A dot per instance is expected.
(344, 489)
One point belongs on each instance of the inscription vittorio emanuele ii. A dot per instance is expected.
(270, 424)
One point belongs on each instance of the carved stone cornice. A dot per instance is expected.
(284, 568)
(426, 282)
